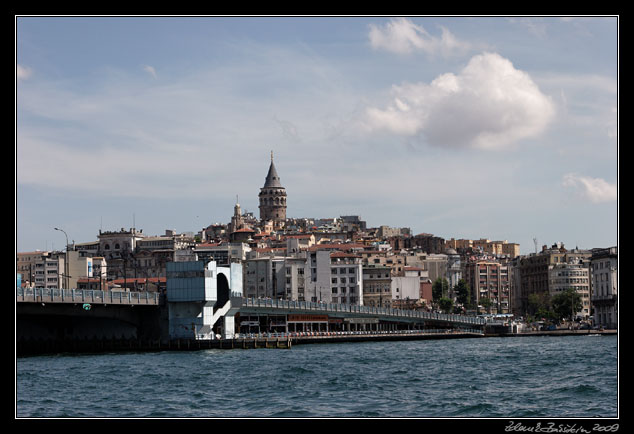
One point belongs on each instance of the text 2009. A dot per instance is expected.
(606, 428)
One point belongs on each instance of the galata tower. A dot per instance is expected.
(273, 198)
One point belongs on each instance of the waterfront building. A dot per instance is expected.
(377, 285)
(605, 298)
(25, 265)
(48, 271)
(261, 277)
(80, 264)
(575, 276)
(326, 275)
(272, 199)
(489, 280)
(405, 288)
(536, 274)
(346, 278)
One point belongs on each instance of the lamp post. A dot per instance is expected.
(65, 259)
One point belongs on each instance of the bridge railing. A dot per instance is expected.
(350, 308)
(55, 295)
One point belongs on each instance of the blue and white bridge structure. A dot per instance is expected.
(200, 295)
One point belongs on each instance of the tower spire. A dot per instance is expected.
(271, 156)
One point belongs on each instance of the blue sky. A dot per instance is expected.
(467, 127)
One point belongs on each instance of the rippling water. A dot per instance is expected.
(573, 376)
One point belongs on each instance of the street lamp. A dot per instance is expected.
(65, 259)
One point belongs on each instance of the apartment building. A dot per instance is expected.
(511, 250)
(25, 265)
(346, 278)
(576, 276)
(318, 276)
(377, 286)
(489, 280)
(48, 271)
(605, 285)
(538, 273)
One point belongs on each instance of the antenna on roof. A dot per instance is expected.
(535, 241)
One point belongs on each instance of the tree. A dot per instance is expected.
(439, 289)
(463, 293)
(566, 304)
(445, 304)
(538, 303)
(486, 303)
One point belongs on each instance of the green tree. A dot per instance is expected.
(445, 304)
(538, 303)
(566, 304)
(463, 293)
(439, 289)
(486, 303)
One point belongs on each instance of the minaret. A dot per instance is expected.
(236, 220)
(273, 198)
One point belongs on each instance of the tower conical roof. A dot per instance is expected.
(272, 178)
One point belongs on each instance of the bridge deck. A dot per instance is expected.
(246, 305)
(274, 306)
(50, 295)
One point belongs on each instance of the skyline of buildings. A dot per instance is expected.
(339, 261)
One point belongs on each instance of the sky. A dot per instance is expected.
(497, 127)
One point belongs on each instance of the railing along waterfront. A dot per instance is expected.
(361, 310)
(54, 295)
(312, 334)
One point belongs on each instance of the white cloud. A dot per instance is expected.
(402, 36)
(595, 189)
(150, 70)
(490, 104)
(22, 72)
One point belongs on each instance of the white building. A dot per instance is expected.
(605, 287)
(405, 287)
(575, 276)
(346, 279)
(325, 276)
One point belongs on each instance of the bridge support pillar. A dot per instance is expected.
(229, 325)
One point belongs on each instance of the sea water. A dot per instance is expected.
(519, 377)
